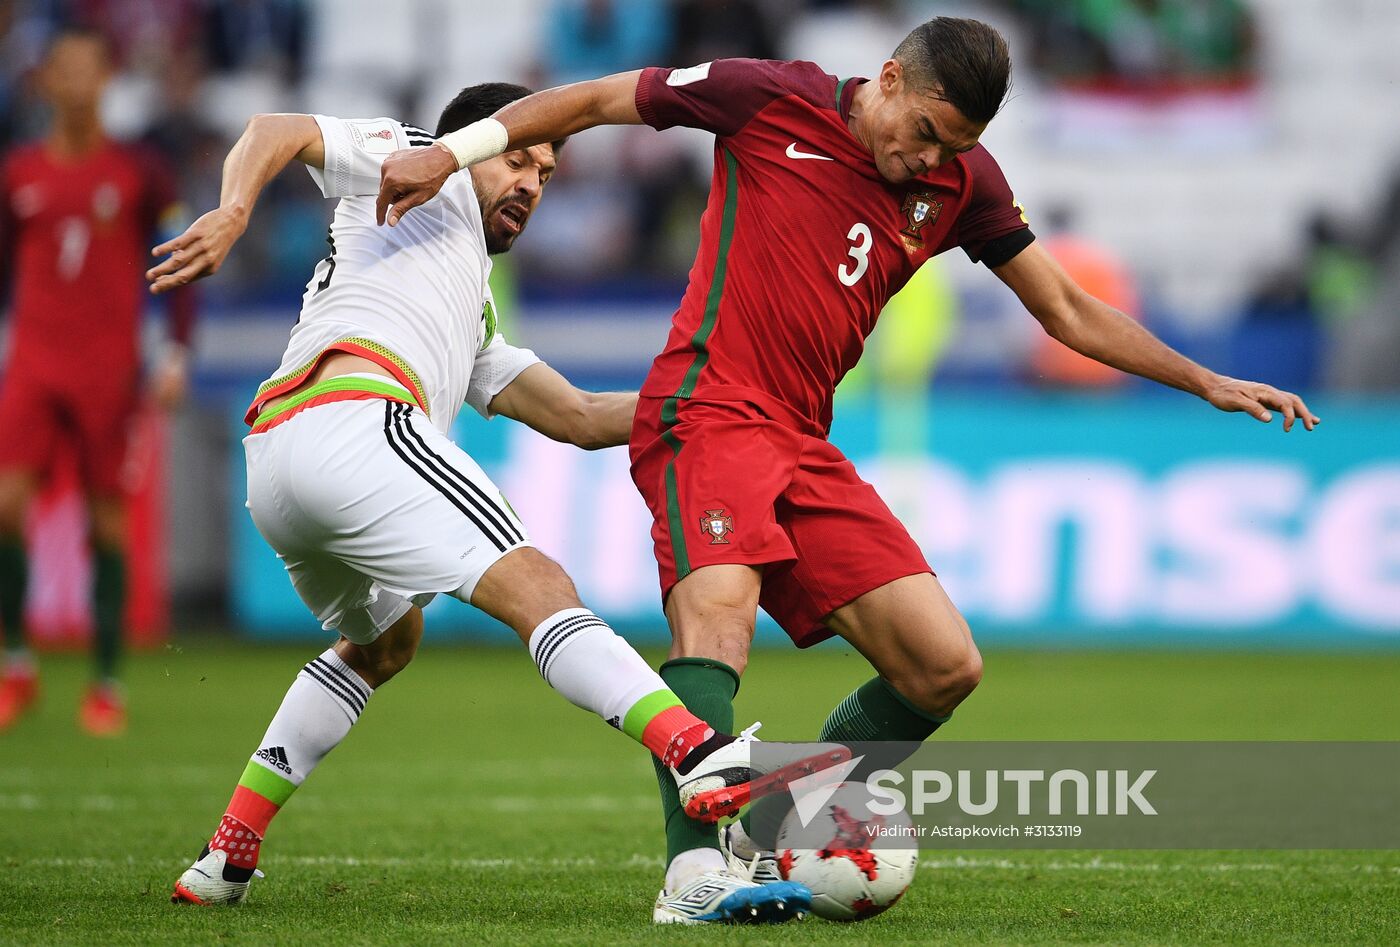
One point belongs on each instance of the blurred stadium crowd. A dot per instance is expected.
(1312, 295)
(1226, 170)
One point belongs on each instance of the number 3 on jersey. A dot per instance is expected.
(861, 240)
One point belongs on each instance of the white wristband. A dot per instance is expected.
(477, 142)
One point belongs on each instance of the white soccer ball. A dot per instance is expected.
(864, 864)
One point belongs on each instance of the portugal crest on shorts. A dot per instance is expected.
(717, 524)
(920, 209)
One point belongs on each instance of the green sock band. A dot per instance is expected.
(14, 578)
(109, 606)
(644, 711)
(707, 687)
(873, 712)
(267, 784)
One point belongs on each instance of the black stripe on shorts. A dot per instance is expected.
(399, 442)
(486, 506)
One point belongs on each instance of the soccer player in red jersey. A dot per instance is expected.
(77, 211)
(827, 195)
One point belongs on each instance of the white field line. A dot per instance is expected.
(277, 862)
(29, 779)
(29, 802)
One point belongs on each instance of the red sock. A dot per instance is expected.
(673, 733)
(241, 842)
(241, 831)
(683, 742)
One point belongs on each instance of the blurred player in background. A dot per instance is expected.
(77, 212)
(827, 195)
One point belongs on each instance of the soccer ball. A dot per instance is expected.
(865, 863)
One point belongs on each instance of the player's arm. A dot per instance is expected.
(543, 399)
(163, 215)
(412, 176)
(268, 144)
(1093, 328)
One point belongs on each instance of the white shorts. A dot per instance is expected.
(373, 510)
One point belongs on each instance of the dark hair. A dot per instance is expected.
(476, 102)
(966, 62)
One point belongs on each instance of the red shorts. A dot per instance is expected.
(726, 484)
(38, 419)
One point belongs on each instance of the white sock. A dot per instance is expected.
(580, 657)
(687, 865)
(322, 704)
(743, 847)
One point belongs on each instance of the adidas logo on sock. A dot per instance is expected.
(277, 756)
(615, 722)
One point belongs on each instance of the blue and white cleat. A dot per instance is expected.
(731, 896)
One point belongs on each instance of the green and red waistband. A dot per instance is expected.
(364, 348)
(340, 388)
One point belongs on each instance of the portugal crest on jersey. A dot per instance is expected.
(920, 210)
(717, 524)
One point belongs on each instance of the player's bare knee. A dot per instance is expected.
(712, 611)
(964, 678)
(399, 645)
(723, 632)
(523, 588)
(727, 644)
(388, 662)
(551, 584)
(380, 660)
(938, 688)
(525, 568)
(956, 682)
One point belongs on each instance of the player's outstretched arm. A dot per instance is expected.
(543, 399)
(412, 176)
(1097, 330)
(268, 144)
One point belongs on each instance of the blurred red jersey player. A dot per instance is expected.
(77, 211)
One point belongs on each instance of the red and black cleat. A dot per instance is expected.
(742, 784)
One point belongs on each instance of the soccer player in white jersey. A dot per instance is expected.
(354, 481)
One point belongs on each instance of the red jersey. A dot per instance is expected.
(76, 234)
(803, 242)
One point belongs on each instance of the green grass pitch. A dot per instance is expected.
(472, 805)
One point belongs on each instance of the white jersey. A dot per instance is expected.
(413, 297)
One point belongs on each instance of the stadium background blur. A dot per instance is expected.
(1227, 171)
(1224, 170)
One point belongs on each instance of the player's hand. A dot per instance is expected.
(1232, 394)
(170, 379)
(410, 177)
(198, 252)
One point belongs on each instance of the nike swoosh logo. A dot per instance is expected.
(792, 152)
